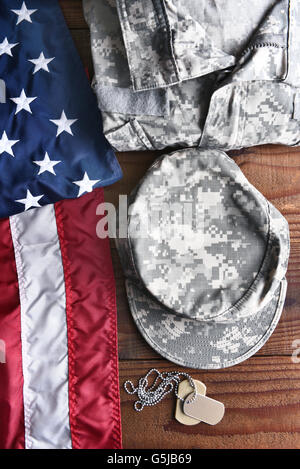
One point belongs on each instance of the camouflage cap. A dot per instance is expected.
(205, 260)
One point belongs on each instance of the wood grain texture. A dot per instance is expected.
(81, 39)
(261, 395)
(72, 10)
(261, 398)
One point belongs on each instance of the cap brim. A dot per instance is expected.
(203, 345)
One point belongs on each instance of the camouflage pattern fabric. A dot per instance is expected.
(228, 69)
(205, 260)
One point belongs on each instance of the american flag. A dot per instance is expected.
(51, 141)
(58, 342)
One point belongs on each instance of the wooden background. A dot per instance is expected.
(262, 395)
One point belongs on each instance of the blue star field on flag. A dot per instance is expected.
(51, 142)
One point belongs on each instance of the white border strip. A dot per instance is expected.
(44, 329)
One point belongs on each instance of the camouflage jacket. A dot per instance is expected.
(186, 73)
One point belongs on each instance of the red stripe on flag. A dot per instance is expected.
(11, 374)
(92, 328)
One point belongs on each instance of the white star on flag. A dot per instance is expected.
(30, 201)
(41, 63)
(6, 47)
(63, 124)
(23, 102)
(47, 165)
(86, 184)
(24, 14)
(6, 145)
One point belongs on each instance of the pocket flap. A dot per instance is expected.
(130, 137)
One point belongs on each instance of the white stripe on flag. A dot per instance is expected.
(44, 329)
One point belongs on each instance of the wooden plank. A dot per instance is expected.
(73, 13)
(72, 10)
(81, 39)
(275, 171)
(262, 408)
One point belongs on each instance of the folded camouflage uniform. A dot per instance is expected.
(182, 73)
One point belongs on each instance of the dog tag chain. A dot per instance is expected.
(192, 406)
(163, 384)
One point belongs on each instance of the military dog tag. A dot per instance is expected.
(203, 408)
(184, 389)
